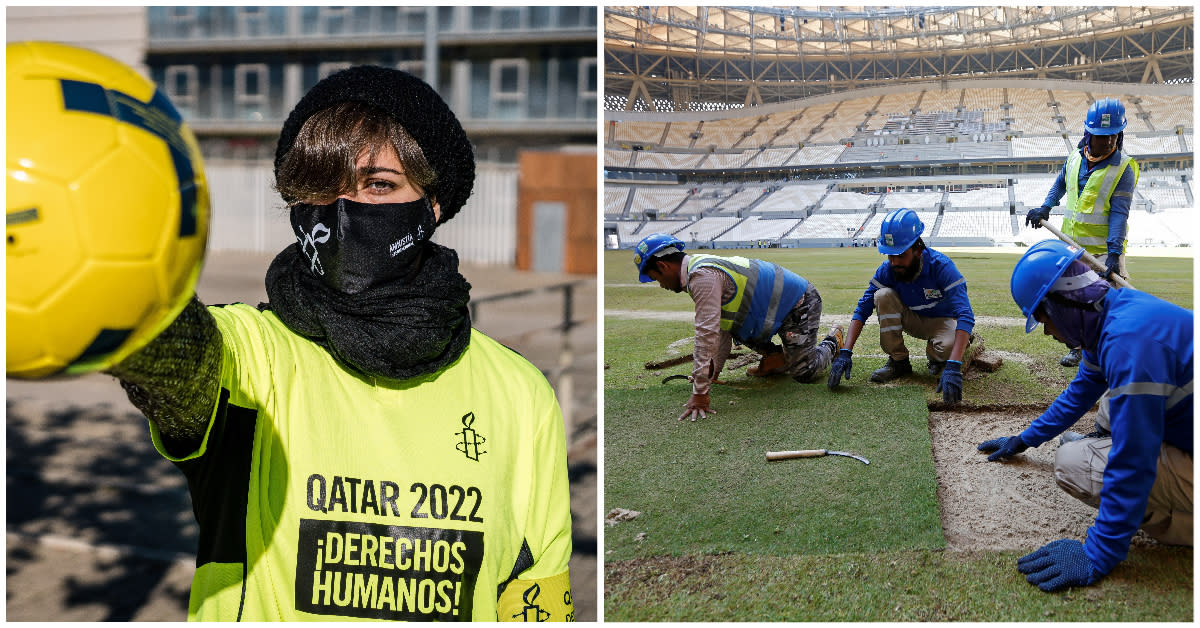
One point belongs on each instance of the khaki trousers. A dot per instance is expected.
(896, 319)
(1079, 470)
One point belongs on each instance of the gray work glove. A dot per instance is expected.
(1004, 447)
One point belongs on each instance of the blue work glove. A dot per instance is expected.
(1036, 215)
(1057, 565)
(1112, 266)
(841, 364)
(951, 383)
(1005, 447)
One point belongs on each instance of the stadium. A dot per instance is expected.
(785, 135)
(795, 127)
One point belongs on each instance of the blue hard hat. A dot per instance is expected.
(899, 230)
(1105, 117)
(1036, 272)
(650, 245)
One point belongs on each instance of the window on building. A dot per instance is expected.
(509, 82)
(572, 17)
(250, 91)
(568, 84)
(220, 21)
(540, 17)
(538, 102)
(588, 87)
(481, 18)
(447, 20)
(412, 20)
(181, 83)
(260, 21)
(251, 21)
(388, 20)
(324, 20)
(334, 20)
(180, 21)
(510, 18)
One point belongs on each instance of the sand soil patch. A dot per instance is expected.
(1000, 506)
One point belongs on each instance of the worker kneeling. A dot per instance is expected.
(748, 299)
(1137, 467)
(918, 291)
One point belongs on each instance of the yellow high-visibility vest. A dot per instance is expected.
(766, 292)
(1086, 219)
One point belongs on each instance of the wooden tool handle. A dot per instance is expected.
(787, 455)
(1087, 257)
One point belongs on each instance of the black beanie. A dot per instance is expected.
(416, 106)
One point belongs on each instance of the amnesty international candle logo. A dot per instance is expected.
(532, 611)
(470, 439)
(375, 571)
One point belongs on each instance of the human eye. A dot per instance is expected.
(380, 185)
(376, 186)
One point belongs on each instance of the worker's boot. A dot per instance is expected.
(892, 370)
(769, 365)
(936, 366)
(1071, 359)
(835, 339)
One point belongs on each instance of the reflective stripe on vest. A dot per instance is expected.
(1086, 219)
(764, 294)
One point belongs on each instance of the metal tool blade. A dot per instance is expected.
(848, 455)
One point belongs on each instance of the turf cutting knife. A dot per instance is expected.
(812, 453)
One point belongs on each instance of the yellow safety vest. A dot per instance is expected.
(1086, 219)
(322, 495)
(765, 293)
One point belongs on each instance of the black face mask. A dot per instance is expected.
(353, 246)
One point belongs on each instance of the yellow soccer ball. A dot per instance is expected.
(108, 211)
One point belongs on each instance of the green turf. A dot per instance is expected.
(706, 487)
(726, 535)
(1151, 585)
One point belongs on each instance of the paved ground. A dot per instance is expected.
(99, 527)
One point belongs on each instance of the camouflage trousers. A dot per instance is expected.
(805, 359)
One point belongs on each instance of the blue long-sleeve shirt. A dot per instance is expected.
(938, 291)
(1118, 207)
(1144, 356)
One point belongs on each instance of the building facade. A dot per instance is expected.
(517, 77)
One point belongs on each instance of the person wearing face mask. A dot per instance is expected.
(1098, 181)
(1136, 468)
(917, 291)
(353, 448)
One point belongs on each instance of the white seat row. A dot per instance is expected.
(759, 228)
(989, 224)
(790, 198)
(911, 200)
(987, 197)
(828, 226)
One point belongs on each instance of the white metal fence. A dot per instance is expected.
(248, 215)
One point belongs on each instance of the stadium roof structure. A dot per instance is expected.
(678, 58)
